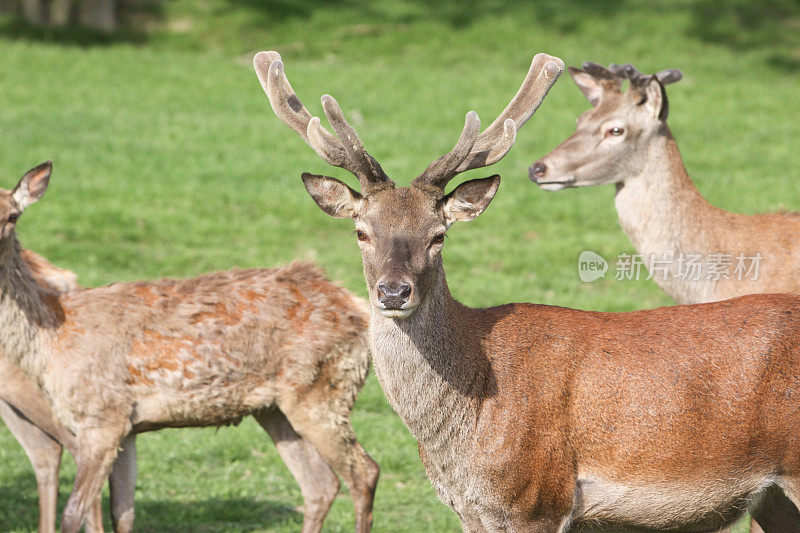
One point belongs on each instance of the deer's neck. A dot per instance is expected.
(27, 310)
(431, 368)
(661, 210)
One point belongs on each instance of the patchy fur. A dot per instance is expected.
(197, 352)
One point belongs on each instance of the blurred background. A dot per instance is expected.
(168, 161)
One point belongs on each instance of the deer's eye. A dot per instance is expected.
(13, 217)
(616, 132)
(361, 236)
(438, 239)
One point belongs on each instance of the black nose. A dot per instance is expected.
(537, 171)
(393, 295)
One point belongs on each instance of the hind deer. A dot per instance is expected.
(546, 419)
(624, 140)
(30, 419)
(284, 345)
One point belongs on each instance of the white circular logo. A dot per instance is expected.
(591, 266)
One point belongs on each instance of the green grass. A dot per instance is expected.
(169, 162)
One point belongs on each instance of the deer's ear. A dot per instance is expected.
(332, 196)
(590, 86)
(655, 100)
(32, 185)
(469, 199)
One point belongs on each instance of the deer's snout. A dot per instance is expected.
(537, 171)
(393, 294)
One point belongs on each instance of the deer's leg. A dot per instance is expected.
(123, 486)
(330, 432)
(777, 512)
(317, 481)
(94, 520)
(94, 460)
(44, 454)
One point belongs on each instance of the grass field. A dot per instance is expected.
(169, 162)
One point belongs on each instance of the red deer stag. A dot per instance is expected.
(284, 345)
(540, 418)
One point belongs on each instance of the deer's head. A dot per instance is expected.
(611, 139)
(401, 230)
(29, 189)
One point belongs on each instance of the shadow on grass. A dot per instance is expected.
(282, 10)
(18, 29)
(214, 514)
(253, 15)
(133, 18)
(19, 510)
(769, 25)
(454, 13)
(19, 503)
(747, 25)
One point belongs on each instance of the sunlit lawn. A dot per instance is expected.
(169, 162)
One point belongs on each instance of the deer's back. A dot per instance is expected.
(677, 389)
(211, 349)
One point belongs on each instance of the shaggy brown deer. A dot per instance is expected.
(540, 418)
(30, 419)
(284, 345)
(624, 140)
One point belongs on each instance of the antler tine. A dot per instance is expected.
(494, 143)
(627, 70)
(289, 108)
(444, 168)
(284, 101)
(489, 149)
(670, 75)
(364, 166)
(599, 71)
(543, 73)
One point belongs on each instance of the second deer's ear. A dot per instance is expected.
(469, 199)
(32, 185)
(332, 196)
(655, 98)
(590, 86)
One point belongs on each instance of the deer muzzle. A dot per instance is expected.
(394, 298)
(541, 175)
